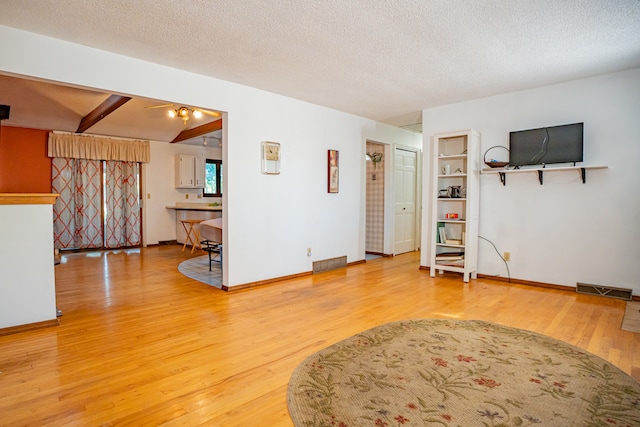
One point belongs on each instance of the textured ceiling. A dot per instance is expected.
(382, 59)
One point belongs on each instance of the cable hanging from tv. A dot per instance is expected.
(543, 148)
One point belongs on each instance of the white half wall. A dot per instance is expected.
(27, 281)
(564, 231)
(269, 220)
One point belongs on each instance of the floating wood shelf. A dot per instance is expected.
(540, 170)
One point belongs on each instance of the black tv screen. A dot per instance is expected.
(556, 144)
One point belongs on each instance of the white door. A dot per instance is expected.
(405, 201)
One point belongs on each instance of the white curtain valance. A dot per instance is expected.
(76, 146)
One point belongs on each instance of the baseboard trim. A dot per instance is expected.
(163, 243)
(278, 279)
(528, 283)
(540, 284)
(264, 282)
(29, 327)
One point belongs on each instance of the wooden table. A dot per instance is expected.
(192, 233)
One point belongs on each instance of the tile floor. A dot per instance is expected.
(198, 269)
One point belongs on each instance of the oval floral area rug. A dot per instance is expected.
(459, 373)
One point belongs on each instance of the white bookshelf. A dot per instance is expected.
(455, 163)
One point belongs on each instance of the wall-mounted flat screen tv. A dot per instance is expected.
(556, 144)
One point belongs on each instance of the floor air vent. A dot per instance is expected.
(329, 264)
(605, 291)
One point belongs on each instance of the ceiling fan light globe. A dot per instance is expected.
(197, 114)
(172, 113)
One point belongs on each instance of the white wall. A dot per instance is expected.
(564, 231)
(269, 221)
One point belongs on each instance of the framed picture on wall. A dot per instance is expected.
(333, 171)
(270, 158)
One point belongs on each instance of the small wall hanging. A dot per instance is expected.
(333, 171)
(375, 159)
(270, 158)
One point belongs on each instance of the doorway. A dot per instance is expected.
(375, 186)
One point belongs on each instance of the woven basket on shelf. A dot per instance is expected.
(494, 163)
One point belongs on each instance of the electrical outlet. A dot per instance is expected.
(507, 256)
(186, 196)
(308, 251)
(148, 195)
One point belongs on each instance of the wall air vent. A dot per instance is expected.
(605, 291)
(329, 264)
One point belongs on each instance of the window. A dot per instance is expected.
(212, 178)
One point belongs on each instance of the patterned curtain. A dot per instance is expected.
(77, 221)
(78, 218)
(62, 182)
(122, 215)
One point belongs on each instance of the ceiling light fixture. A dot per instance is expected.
(206, 143)
(184, 113)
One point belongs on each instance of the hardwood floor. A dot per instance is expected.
(140, 344)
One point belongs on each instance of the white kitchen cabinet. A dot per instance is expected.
(190, 171)
(199, 172)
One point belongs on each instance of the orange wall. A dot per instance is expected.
(24, 165)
